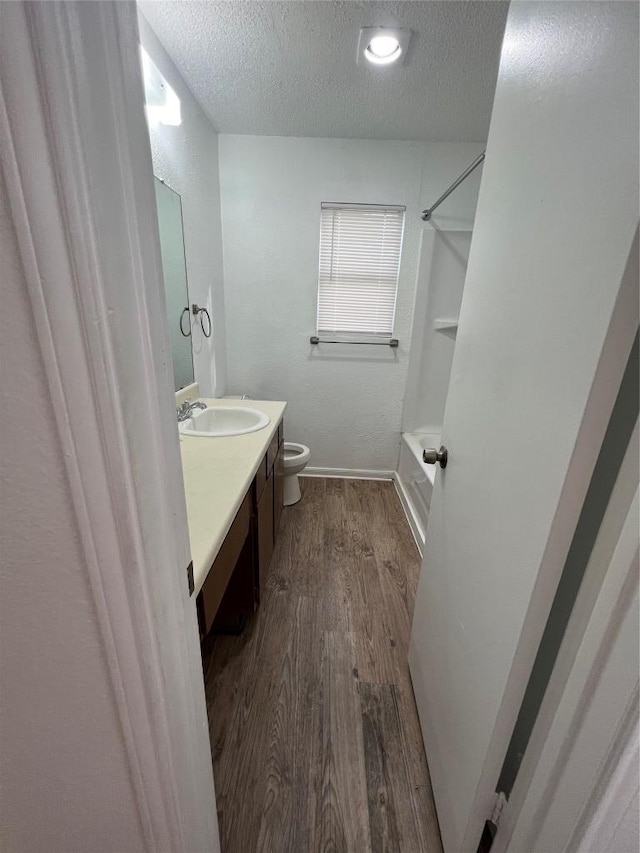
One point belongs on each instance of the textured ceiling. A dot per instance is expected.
(289, 68)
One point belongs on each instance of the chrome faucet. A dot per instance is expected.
(184, 411)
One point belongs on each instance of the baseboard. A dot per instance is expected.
(348, 473)
(414, 522)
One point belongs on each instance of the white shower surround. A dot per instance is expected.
(440, 284)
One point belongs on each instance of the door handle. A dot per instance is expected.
(431, 456)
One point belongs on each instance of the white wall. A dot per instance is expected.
(186, 158)
(66, 781)
(345, 402)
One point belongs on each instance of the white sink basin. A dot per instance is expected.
(224, 420)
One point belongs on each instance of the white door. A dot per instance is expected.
(546, 325)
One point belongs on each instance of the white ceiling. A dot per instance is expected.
(289, 68)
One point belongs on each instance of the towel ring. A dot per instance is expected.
(195, 310)
(204, 332)
(186, 334)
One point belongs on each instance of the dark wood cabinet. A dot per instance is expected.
(264, 526)
(272, 452)
(269, 491)
(218, 581)
(278, 489)
(235, 582)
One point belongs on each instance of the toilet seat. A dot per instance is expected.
(296, 457)
(295, 454)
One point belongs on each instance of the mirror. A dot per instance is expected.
(175, 282)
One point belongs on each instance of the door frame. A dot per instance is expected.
(583, 747)
(77, 167)
(607, 587)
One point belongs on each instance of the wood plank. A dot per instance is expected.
(239, 766)
(396, 549)
(301, 567)
(417, 768)
(394, 818)
(380, 738)
(296, 691)
(338, 815)
(399, 565)
(308, 693)
(374, 638)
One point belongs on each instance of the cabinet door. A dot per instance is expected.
(265, 531)
(272, 451)
(278, 490)
(220, 573)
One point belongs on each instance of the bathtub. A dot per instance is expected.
(415, 481)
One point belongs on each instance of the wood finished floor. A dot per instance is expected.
(314, 731)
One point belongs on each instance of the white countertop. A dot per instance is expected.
(217, 472)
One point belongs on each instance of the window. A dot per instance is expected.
(360, 248)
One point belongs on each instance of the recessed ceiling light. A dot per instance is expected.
(382, 45)
(382, 50)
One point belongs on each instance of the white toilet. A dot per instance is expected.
(296, 457)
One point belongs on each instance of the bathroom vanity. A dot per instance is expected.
(233, 482)
(233, 488)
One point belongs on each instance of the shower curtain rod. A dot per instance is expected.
(426, 214)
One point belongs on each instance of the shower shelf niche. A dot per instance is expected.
(448, 325)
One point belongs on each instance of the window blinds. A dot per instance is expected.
(358, 271)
